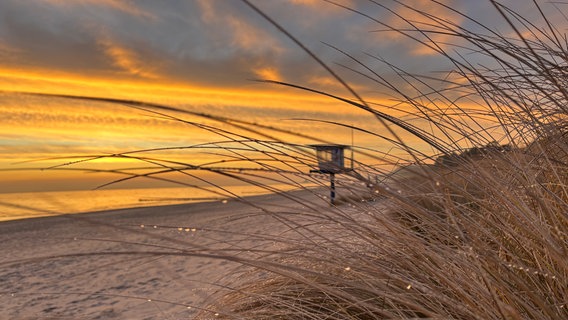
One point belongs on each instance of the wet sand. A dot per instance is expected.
(139, 263)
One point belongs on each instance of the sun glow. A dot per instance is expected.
(40, 127)
(202, 72)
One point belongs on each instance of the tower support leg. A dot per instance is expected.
(332, 188)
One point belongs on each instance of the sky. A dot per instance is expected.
(202, 56)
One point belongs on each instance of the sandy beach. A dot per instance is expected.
(139, 263)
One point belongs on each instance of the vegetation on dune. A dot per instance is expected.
(480, 235)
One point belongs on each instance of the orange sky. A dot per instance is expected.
(42, 127)
(198, 56)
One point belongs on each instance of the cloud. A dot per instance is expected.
(233, 33)
(325, 8)
(125, 6)
(392, 29)
(425, 15)
(249, 38)
(306, 2)
(207, 9)
(127, 59)
(268, 73)
(8, 52)
(325, 81)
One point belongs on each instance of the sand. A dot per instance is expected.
(139, 263)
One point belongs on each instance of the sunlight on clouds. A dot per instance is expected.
(125, 6)
(326, 81)
(126, 59)
(318, 4)
(207, 9)
(250, 38)
(306, 2)
(331, 84)
(418, 14)
(235, 32)
(170, 92)
(268, 73)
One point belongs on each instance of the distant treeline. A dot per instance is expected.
(455, 158)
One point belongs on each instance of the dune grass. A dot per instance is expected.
(481, 236)
(475, 229)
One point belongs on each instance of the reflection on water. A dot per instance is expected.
(26, 205)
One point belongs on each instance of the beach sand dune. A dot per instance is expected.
(139, 263)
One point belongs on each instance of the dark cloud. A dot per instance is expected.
(224, 43)
(208, 42)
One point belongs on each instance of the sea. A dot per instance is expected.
(38, 204)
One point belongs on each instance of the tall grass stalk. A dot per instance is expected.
(482, 233)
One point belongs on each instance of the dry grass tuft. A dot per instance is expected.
(482, 234)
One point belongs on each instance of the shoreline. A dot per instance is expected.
(138, 212)
(137, 263)
(142, 203)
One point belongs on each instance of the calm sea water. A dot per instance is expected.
(26, 205)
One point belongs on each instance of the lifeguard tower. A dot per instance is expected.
(331, 160)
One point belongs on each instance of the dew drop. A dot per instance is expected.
(180, 229)
(347, 268)
(141, 226)
(224, 201)
(408, 287)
